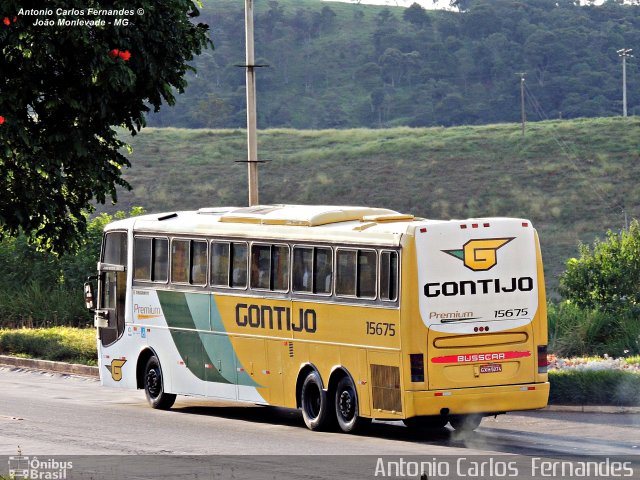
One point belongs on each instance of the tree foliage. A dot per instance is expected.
(63, 90)
(607, 275)
(39, 288)
(315, 58)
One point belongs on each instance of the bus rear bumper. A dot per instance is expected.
(505, 398)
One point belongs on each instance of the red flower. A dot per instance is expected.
(1, 119)
(6, 21)
(125, 55)
(114, 53)
(15, 19)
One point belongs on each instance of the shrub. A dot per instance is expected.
(576, 331)
(58, 343)
(594, 387)
(606, 276)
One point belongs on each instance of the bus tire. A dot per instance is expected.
(465, 423)
(431, 422)
(154, 386)
(346, 404)
(314, 400)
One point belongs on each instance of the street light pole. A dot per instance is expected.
(252, 140)
(523, 116)
(624, 53)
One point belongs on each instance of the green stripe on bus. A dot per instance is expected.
(195, 311)
(189, 343)
(222, 344)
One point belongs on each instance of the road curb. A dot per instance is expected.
(592, 409)
(50, 366)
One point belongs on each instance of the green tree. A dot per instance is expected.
(64, 88)
(40, 288)
(211, 112)
(416, 15)
(607, 275)
(392, 64)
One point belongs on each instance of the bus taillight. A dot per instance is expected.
(417, 367)
(543, 362)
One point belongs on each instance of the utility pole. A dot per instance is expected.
(523, 116)
(624, 53)
(252, 140)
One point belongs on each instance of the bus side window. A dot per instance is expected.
(229, 264)
(160, 271)
(180, 261)
(198, 262)
(302, 269)
(142, 259)
(260, 266)
(322, 271)
(220, 264)
(367, 270)
(346, 272)
(356, 273)
(270, 267)
(239, 252)
(389, 276)
(280, 268)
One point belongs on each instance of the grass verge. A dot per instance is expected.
(62, 344)
(595, 387)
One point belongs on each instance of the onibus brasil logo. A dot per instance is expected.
(21, 466)
(480, 255)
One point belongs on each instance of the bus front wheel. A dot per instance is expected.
(346, 403)
(315, 403)
(154, 386)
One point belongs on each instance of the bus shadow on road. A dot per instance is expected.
(293, 418)
(249, 413)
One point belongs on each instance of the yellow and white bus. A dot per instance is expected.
(349, 313)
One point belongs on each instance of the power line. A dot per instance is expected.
(572, 155)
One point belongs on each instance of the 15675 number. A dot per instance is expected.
(511, 312)
(381, 328)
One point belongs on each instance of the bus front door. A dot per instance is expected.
(112, 288)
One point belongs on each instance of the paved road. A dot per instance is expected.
(61, 415)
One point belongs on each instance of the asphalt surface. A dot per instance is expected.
(52, 414)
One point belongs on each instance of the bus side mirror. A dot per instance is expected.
(89, 296)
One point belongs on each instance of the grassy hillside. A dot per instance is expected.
(573, 179)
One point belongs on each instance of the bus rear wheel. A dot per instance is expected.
(154, 386)
(346, 403)
(315, 403)
(465, 423)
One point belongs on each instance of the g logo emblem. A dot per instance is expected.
(480, 255)
(116, 368)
